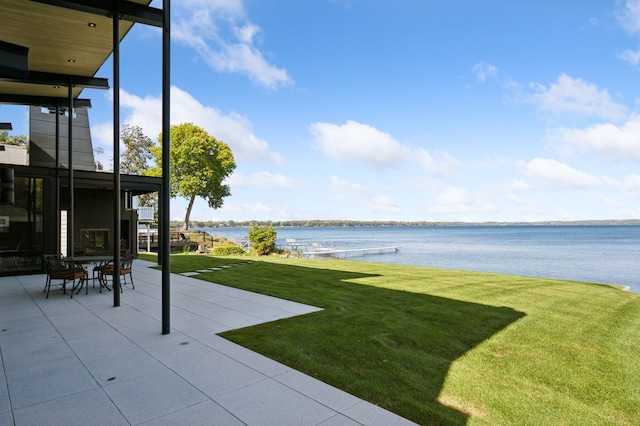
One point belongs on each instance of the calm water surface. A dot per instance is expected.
(599, 254)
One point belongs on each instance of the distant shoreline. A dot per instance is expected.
(355, 223)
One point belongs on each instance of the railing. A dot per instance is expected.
(145, 214)
(244, 243)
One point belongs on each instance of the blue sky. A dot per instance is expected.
(409, 110)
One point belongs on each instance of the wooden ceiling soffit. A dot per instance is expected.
(127, 10)
(45, 101)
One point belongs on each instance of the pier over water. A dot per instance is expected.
(343, 253)
(301, 249)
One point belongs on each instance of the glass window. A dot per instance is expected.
(21, 223)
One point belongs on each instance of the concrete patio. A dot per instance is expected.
(81, 361)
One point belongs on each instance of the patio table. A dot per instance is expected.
(97, 260)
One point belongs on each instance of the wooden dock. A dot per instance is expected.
(176, 242)
(344, 253)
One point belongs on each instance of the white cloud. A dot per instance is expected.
(103, 133)
(518, 185)
(611, 202)
(632, 184)
(383, 204)
(515, 200)
(269, 209)
(632, 57)
(575, 96)
(482, 70)
(439, 164)
(256, 208)
(629, 15)
(262, 180)
(457, 200)
(560, 174)
(453, 196)
(359, 143)
(247, 33)
(353, 193)
(617, 142)
(342, 185)
(223, 37)
(234, 129)
(631, 213)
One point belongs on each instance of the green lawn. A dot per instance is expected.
(450, 347)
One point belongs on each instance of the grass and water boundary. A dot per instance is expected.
(449, 347)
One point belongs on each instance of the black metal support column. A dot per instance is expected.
(164, 248)
(116, 160)
(56, 222)
(72, 205)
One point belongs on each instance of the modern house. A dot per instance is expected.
(53, 196)
(31, 227)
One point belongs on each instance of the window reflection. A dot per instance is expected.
(21, 222)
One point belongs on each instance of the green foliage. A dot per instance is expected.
(451, 347)
(263, 239)
(186, 249)
(228, 251)
(199, 165)
(5, 139)
(134, 160)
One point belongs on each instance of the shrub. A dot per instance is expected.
(228, 251)
(263, 239)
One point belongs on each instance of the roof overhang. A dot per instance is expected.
(133, 11)
(45, 101)
(89, 179)
(66, 43)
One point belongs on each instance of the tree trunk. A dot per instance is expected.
(185, 227)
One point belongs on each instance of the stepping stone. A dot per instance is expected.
(190, 274)
(202, 271)
(214, 269)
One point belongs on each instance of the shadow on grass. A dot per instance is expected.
(390, 347)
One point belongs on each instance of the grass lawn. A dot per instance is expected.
(450, 347)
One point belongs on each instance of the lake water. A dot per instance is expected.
(599, 254)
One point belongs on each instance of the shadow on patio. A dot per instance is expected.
(81, 361)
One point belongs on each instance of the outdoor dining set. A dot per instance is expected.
(75, 271)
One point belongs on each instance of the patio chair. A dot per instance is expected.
(126, 267)
(58, 269)
(96, 274)
(16, 258)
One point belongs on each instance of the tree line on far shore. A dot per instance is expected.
(357, 223)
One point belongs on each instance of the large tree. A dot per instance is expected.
(137, 153)
(135, 158)
(199, 165)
